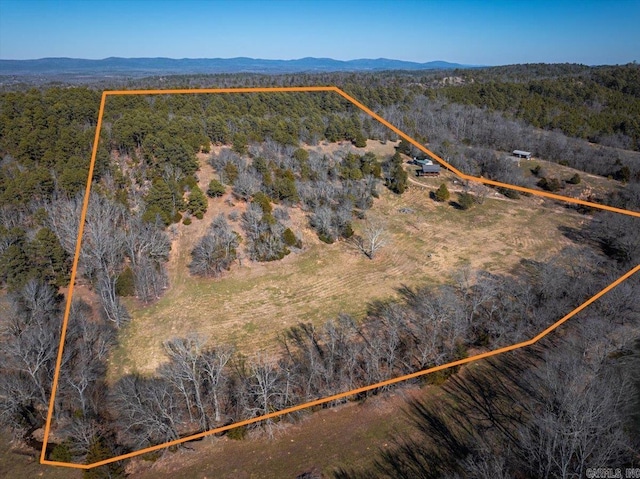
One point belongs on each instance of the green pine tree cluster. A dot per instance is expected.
(397, 179)
(41, 258)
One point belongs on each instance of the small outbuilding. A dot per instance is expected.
(526, 155)
(429, 170)
(422, 161)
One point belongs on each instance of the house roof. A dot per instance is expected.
(521, 153)
(431, 168)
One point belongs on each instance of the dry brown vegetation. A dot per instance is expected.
(254, 302)
(350, 434)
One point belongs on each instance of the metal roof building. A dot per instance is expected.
(522, 154)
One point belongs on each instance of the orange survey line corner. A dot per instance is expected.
(342, 395)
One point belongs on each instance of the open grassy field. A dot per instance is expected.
(254, 303)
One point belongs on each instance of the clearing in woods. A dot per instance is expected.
(249, 306)
(253, 303)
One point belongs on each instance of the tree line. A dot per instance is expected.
(601, 105)
(567, 405)
(203, 385)
(460, 134)
(51, 129)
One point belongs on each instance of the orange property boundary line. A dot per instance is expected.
(83, 214)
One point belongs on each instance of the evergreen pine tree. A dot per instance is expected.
(197, 204)
(159, 202)
(49, 257)
(240, 143)
(15, 269)
(215, 189)
(442, 193)
(98, 451)
(398, 179)
(465, 200)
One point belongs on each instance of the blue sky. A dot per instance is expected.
(490, 32)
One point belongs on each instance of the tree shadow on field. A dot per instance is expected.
(583, 209)
(579, 235)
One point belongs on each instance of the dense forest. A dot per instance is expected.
(145, 180)
(555, 410)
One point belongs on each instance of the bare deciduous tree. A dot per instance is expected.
(264, 388)
(147, 247)
(374, 237)
(63, 218)
(216, 251)
(146, 411)
(28, 344)
(84, 361)
(246, 185)
(213, 362)
(185, 373)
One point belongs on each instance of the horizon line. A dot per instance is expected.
(416, 62)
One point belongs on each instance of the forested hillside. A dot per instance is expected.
(602, 105)
(145, 185)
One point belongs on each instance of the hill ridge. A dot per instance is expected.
(165, 65)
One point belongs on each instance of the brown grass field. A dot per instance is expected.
(253, 303)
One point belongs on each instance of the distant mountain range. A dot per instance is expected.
(138, 67)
